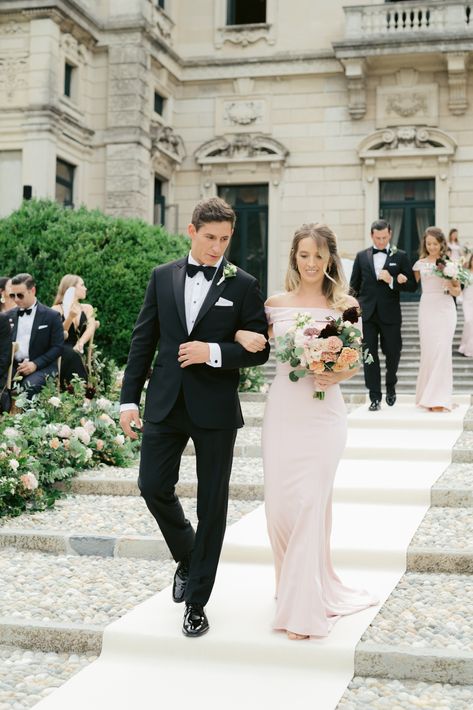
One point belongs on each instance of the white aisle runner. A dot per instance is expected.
(382, 492)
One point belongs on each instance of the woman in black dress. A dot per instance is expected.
(79, 327)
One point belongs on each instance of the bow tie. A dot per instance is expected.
(25, 311)
(208, 271)
(379, 251)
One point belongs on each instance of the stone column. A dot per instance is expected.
(38, 125)
(127, 139)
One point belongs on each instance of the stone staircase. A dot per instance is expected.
(68, 572)
(409, 364)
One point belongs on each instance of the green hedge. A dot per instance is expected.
(114, 257)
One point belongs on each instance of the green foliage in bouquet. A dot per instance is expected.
(115, 258)
(252, 379)
(53, 437)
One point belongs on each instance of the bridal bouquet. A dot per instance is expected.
(310, 349)
(447, 269)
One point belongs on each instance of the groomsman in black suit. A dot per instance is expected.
(379, 274)
(38, 331)
(192, 310)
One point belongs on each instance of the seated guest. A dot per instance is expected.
(79, 326)
(5, 358)
(6, 301)
(38, 332)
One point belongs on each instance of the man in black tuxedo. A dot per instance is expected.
(192, 310)
(38, 331)
(5, 358)
(379, 274)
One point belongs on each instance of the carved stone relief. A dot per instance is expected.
(400, 105)
(164, 140)
(12, 75)
(241, 115)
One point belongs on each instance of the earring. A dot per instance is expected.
(2, 299)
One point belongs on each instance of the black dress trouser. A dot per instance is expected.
(162, 446)
(391, 345)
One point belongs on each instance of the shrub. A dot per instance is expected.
(114, 257)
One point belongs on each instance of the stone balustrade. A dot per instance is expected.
(398, 20)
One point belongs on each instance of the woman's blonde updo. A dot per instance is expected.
(335, 287)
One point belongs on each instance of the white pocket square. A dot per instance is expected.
(224, 302)
(42, 326)
(392, 263)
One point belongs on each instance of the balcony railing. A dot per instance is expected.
(405, 18)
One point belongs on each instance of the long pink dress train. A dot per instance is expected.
(303, 440)
(466, 345)
(437, 322)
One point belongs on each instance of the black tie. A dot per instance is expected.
(208, 271)
(24, 311)
(380, 251)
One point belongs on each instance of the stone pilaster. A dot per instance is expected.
(127, 176)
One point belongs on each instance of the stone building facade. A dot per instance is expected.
(294, 111)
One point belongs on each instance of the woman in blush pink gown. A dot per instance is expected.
(466, 345)
(303, 441)
(437, 322)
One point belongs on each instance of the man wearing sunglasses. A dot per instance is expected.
(39, 334)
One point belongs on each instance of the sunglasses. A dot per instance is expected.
(19, 296)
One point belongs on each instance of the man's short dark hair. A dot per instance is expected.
(26, 279)
(379, 225)
(214, 209)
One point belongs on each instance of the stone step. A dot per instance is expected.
(391, 694)
(454, 488)
(72, 599)
(246, 482)
(443, 541)
(104, 526)
(424, 631)
(28, 676)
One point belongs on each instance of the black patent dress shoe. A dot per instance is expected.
(179, 584)
(374, 406)
(195, 621)
(391, 399)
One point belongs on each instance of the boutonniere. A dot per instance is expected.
(392, 250)
(229, 272)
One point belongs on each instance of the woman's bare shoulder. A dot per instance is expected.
(278, 300)
(87, 308)
(351, 302)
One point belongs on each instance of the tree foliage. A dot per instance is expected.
(114, 257)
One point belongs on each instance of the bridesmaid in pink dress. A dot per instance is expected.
(437, 321)
(466, 345)
(303, 441)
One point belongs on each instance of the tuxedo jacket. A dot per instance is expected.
(377, 297)
(5, 347)
(211, 394)
(47, 335)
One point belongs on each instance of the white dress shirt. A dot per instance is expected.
(195, 290)
(379, 260)
(23, 333)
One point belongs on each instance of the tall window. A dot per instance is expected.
(159, 203)
(161, 3)
(64, 183)
(158, 103)
(69, 72)
(246, 12)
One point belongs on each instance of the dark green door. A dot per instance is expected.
(249, 245)
(409, 206)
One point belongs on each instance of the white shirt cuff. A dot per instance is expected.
(215, 355)
(128, 407)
